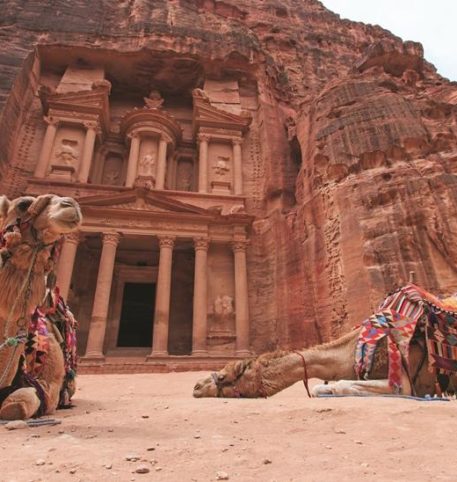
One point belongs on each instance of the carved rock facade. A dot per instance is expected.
(188, 128)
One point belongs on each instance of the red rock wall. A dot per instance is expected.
(372, 196)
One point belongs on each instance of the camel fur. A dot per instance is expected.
(38, 223)
(272, 372)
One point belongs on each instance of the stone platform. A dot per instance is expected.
(139, 364)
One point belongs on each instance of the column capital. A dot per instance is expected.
(133, 135)
(237, 141)
(111, 238)
(51, 121)
(201, 243)
(166, 241)
(73, 238)
(239, 245)
(90, 125)
(204, 137)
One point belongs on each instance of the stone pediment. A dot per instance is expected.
(141, 200)
(207, 115)
(84, 103)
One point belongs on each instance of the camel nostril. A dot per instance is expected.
(197, 386)
(67, 203)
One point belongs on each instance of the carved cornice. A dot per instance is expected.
(166, 241)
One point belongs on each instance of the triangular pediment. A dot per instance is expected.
(83, 98)
(207, 115)
(141, 200)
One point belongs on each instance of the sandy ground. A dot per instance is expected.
(178, 438)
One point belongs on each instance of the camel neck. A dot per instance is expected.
(333, 361)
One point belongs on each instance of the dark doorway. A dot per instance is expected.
(135, 327)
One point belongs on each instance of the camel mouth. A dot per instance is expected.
(67, 220)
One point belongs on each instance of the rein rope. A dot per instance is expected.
(305, 373)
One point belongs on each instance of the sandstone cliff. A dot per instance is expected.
(353, 146)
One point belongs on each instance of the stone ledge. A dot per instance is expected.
(119, 365)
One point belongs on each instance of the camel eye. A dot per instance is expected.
(221, 377)
(24, 204)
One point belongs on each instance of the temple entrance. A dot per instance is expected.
(137, 315)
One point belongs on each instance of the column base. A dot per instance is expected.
(244, 353)
(157, 354)
(93, 357)
(199, 352)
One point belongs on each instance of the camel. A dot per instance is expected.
(335, 361)
(31, 228)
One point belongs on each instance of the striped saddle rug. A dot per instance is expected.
(409, 309)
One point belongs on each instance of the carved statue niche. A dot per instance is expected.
(112, 169)
(67, 155)
(223, 307)
(154, 100)
(221, 165)
(185, 175)
(147, 165)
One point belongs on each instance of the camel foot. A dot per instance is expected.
(20, 405)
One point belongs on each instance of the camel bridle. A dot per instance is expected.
(305, 372)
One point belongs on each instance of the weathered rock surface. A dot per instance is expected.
(353, 143)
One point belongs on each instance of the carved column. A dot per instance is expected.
(199, 326)
(161, 164)
(66, 262)
(46, 148)
(237, 167)
(88, 151)
(132, 166)
(241, 298)
(203, 163)
(102, 294)
(163, 292)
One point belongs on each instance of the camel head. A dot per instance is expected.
(250, 378)
(49, 215)
(237, 379)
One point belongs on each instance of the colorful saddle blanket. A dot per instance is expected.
(53, 314)
(399, 315)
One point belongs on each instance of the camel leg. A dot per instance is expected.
(353, 387)
(24, 402)
(20, 405)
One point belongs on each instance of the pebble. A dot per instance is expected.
(197, 436)
(144, 416)
(132, 457)
(40, 462)
(142, 469)
(150, 449)
(267, 461)
(108, 466)
(72, 471)
(158, 469)
(222, 475)
(16, 425)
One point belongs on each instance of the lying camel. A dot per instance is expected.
(272, 372)
(31, 228)
(335, 361)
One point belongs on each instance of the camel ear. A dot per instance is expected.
(5, 204)
(39, 204)
(240, 366)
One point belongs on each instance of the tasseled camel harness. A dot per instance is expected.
(29, 327)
